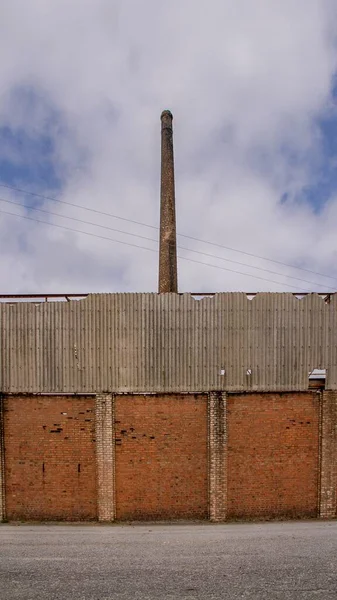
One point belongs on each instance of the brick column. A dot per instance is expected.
(2, 462)
(217, 456)
(105, 453)
(328, 483)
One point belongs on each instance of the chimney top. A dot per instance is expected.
(166, 113)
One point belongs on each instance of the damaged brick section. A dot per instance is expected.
(273, 455)
(2, 463)
(46, 438)
(161, 457)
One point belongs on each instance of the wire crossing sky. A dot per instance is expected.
(153, 227)
(33, 208)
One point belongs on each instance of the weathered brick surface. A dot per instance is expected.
(328, 484)
(50, 470)
(273, 450)
(2, 465)
(217, 420)
(161, 457)
(169, 456)
(105, 454)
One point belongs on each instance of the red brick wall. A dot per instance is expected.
(264, 461)
(161, 457)
(50, 470)
(273, 455)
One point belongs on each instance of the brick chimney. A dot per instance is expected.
(168, 277)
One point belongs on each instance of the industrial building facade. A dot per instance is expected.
(162, 406)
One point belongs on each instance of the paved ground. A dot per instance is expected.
(91, 562)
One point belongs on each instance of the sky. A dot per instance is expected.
(253, 90)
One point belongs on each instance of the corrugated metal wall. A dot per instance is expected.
(170, 343)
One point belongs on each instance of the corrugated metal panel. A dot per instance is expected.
(169, 343)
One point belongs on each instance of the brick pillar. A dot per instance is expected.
(2, 462)
(105, 452)
(217, 456)
(328, 483)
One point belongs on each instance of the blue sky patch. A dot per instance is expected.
(325, 184)
(30, 141)
(28, 161)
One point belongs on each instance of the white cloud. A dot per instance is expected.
(246, 82)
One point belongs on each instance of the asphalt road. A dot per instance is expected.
(292, 560)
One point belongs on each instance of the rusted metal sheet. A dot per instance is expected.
(168, 343)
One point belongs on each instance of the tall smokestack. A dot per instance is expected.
(168, 278)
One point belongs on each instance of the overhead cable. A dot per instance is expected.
(142, 224)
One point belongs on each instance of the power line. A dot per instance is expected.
(195, 239)
(93, 210)
(148, 249)
(155, 240)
